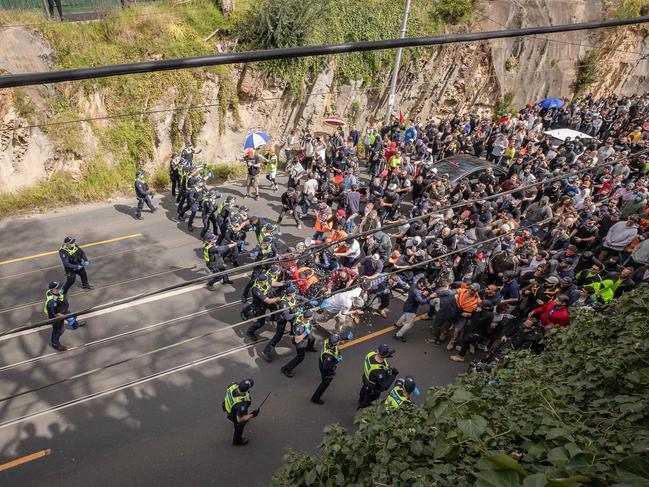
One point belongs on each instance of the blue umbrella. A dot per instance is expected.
(551, 103)
(256, 139)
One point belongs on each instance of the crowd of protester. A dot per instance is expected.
(551, 227)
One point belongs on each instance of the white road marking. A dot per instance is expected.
(119, 307)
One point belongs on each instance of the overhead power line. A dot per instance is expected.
(27, 79)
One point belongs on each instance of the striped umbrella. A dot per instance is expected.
(255, 140)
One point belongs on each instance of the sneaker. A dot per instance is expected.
(299, 226)
(397, 337)
(181, 218)
(450, 346)
(59, 347)
(382, 313)
(267, 356)
(287, 372)
(89, 287)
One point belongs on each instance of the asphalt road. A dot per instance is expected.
(137, 399)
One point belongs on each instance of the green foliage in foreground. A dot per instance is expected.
(577, 413)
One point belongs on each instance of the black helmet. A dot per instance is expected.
(210, 237)
(139, 174)
(230, 198)
(290, 290)
(334, 339)
(299, 330)
(409, 383)
(54, 285)
(245, 385)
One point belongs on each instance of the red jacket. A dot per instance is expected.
(551, 316)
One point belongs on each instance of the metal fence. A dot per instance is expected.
(69, 8)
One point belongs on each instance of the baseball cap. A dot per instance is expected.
(475, 286)
(554, 280)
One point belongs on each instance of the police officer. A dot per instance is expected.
(194, 200)
(236, 403)
(223, 213)
(184, 171)
(174, 176)
(329, 359)
(74, 262)
(235, 233)
(56, 306)
(400, 393)
(143, 195)
(213, 255)
(188, 152)
(303, 340)
(209, 212)
(287, 307)
(262, 299)
(378, 376)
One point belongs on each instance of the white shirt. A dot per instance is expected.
(355, 249)
(342, 302)
(310, 187)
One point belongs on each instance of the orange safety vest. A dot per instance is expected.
(323, 222)
(465, 302)
(337, 235)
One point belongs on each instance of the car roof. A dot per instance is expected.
(563, 134)
(460, 166)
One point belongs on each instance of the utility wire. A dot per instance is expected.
(27, 79)
(291, 256)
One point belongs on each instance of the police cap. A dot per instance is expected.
(409, 383)
(54, 285)
(383, 349)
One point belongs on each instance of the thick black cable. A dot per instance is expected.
(26, 79)
(315, 249)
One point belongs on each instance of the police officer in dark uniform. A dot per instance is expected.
(303, 340)
(223, 214)
(188, 178)
(235, 233)
(56, 305)
(174, 176)
(236, 404)
(329, 359)
(378, 376)
(209, 212)
(143, 195)
(188, 152)
(183, 173)
(74, 262)
(400, 394)
(264, 251)
(287, 307)
(213, 255)
(194, 201)
(262, 299)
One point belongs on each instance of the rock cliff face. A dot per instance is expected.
(445, 80)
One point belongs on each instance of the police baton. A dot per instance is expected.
(262, 402)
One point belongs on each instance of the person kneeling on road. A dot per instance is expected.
(56, 306)
(400, 394)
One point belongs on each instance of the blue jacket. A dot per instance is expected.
(415, 298)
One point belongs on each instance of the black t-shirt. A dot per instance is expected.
(253, 169)
(54, 306)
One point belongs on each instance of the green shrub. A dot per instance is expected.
(575, 413)
(452, 11)
(632, 8)
(160, 179)
(588, 71)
